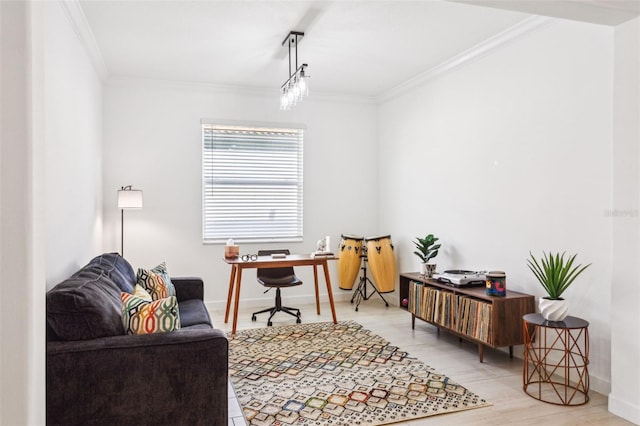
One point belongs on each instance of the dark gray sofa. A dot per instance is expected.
(96, 375)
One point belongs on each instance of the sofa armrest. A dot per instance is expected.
(168, 378)
(188, 288)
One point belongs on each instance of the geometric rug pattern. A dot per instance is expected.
(335, 374)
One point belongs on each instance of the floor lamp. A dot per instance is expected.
(128, 199)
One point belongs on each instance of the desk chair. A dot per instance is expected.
(277, 278)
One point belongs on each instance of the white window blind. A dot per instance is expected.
(252, 184)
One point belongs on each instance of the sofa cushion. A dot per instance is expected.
(116, 268)
(193, 312)
(142, 316)
(85, 306)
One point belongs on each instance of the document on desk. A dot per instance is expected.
(321, 254)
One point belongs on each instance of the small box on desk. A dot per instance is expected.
(231, 252)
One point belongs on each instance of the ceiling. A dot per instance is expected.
(360, 48)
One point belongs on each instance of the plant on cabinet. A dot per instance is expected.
(427, 250)
(555, 274)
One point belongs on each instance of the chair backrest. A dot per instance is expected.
(267, 274)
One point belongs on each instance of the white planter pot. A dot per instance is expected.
(553, 310)
(428, 269)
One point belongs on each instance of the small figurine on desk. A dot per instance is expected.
(322, 247)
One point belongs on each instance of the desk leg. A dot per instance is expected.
(329, 291)
(235, 310)
(231, 283)
(315, 280)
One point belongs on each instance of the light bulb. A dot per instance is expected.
(290, 98)
(296, 91)
(302, 86)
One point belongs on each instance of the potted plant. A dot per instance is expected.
(427, 249)
(555, 274)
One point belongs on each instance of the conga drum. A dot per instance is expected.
(349, 259)
(382, 262)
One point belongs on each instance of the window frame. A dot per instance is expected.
(253, 126)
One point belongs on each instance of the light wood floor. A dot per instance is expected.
(498, 379)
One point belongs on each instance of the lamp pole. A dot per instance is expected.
(122, 232)
(128, 198)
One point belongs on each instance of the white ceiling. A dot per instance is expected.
(605, 12)
(359, 48)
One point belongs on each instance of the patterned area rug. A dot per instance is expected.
(335, 374)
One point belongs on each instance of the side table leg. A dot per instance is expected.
(481, 352)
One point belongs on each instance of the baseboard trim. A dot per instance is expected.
(624, 409)
(599, 384)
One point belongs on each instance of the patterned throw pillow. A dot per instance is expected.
(140, 292)
(153, 283)
(161, 269)
(140, 316)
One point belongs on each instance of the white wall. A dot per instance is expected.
(508, 154)
(15, 216)
(73, 129)
(1, 197)
(624, 399)
(21, 220)
(153, 142)
(50, 187)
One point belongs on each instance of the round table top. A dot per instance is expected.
(568, 322)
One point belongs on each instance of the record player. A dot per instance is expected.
(461, 278)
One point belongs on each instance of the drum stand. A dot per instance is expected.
(361, 290)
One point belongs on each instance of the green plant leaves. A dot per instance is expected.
(554, 273)
(427, 247)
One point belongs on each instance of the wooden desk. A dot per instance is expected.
(237, 265)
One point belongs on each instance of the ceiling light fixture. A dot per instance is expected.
(297, 86)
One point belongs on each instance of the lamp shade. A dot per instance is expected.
(129, 198)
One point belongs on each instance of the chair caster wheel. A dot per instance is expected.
(386, 304)
(298, 321)
(269, 324)
(253, 318)
(352, 302)
(356, 309)
(298, 314)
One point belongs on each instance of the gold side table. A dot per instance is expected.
(556, 360)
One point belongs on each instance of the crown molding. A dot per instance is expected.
(228, 89)
(481, 49)
(83, 31)
(80, 25)
(601, 12)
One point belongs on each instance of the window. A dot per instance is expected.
(251, 183)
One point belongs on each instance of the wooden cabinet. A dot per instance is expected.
(467, 312)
